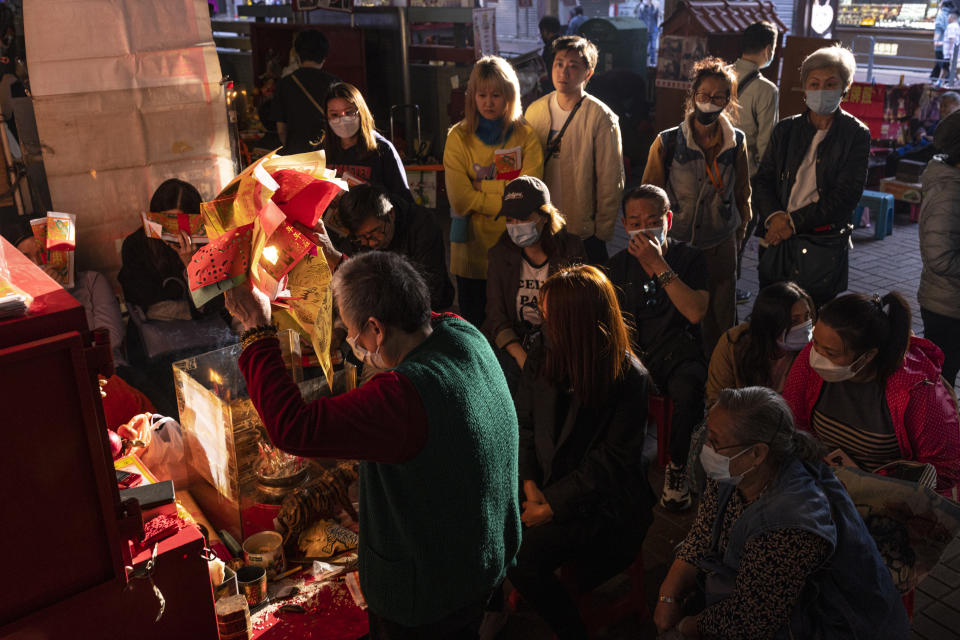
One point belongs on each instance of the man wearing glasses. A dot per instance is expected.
(374, 222)
(662, 286)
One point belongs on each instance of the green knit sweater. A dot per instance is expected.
(437, 532)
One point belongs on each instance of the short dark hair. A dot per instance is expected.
(176, 194)
(650, 192)
(311, 45)
(586, 49)
(758, 36)
(577, 11)
(360, 203)
(550, 24)
(383, 285)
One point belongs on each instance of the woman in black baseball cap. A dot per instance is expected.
(534, 246)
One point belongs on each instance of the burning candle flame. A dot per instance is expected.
(271, 254)
(215, 377)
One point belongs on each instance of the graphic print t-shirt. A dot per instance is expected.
(532, 278)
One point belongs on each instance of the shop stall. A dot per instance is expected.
(900, 35)
(78, 563)
(696, 29)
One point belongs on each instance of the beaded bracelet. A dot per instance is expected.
(250, 336)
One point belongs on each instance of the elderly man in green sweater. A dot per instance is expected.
(437, 433)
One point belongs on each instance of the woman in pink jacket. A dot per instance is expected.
(872, 393)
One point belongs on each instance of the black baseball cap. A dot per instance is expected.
(522, 196)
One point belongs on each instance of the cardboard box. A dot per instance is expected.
(911, 192)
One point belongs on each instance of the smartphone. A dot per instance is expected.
(126, 479)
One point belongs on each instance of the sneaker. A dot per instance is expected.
(676, 493)
(742, 296)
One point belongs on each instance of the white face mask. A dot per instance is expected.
(717, 467)
(346, 126)
(831, 372)
(363, 355)
(797, 337)
(660, 233)
(708, 107)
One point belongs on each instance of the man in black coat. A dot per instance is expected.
(377, 223)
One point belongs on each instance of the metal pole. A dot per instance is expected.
(870, 59)
(405, 77)
(404, 54)
(952, 78)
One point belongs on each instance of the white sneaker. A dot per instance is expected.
(676, 492)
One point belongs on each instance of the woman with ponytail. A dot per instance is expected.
(778, 548)
(872, 393)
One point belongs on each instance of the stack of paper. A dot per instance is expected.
(13, 301)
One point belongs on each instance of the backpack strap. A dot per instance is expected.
(749, 78)
(312, 100)
(668, 139)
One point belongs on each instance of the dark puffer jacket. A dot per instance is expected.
(940, 239)
(841, 172)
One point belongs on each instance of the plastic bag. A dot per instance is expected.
(164, 455)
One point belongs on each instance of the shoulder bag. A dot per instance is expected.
(818, 263)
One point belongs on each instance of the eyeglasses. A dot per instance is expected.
(717, 100)
(371, 236)
(348, 116)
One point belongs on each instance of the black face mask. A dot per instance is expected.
(706, 118)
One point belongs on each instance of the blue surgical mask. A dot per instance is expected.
(768, 62)
(717, 467)
(824, 101)
(797, 337)
(523, 234)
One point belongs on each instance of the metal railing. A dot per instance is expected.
(869, 56)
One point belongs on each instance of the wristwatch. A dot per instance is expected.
(666, 278)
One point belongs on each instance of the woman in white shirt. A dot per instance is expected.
(813, 172)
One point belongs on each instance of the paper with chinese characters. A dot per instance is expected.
(167, 226)
(267, 201)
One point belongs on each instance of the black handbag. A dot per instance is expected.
(818, 263)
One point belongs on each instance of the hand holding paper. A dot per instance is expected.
(249, 305)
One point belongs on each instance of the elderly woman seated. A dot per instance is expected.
(777, 547)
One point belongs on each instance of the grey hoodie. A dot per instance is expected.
(940, 239)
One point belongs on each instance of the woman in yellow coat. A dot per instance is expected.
(491, 146)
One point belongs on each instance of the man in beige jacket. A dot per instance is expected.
(583, 158)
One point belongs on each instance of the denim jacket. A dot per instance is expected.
(851, 595)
